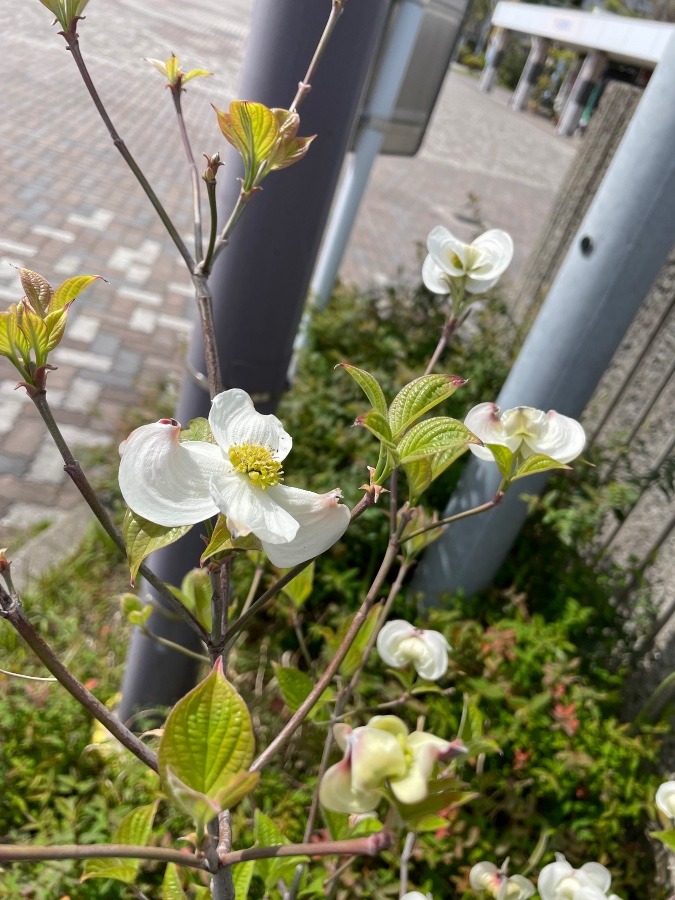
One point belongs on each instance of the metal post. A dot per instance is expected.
(622, 243)
(530, 74)
(260, 282)
(493, 59)
(589, 74)
(387, 82)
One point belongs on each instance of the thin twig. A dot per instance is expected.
(72, 40)
(79, 479)
(359, 618)
(213, 230)
(12, 611)
(408, 846)
(474, 511)
(446, 334)
(224, 236)
(204, 301)
(21, 853)
(172, 645)
(258, 605)
(305, 86)
(222, 885)
(367, 846)
(176, 94)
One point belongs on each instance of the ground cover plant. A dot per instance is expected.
(310, 661)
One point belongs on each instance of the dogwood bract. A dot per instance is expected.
(485, 876)
(382, 752)
(559, 881)
(400, 643)
(480, 263)
(526, 431)
(172, 482)
(665, 798)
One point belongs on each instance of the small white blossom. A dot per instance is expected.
(665, 799)
(382, 753)
(400, 643)
(415, 895)
(173, 483)
(560, 881)
(485, 876)
(526, 431)
(480, 264)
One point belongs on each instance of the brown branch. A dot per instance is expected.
(11, 610)
(305, 86)
(367, 846)
(22, 853)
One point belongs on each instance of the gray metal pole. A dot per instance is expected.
(387, 82)
(530, 74)
(260, 282)
(622, 243)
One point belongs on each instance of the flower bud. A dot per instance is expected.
(400, 643)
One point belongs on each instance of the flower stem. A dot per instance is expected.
(12, 611)
(448, 330)
(72, 40)
(79, 479)
(408, 846)
(213, 212)
(176, 94)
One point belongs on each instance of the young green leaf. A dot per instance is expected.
(135, 829)
(300, 588)
(503, 457)
(253, 131)
(242, 874)
(268, 834)
(419, 397)
(419, 476)
(352, 660)
(369, 386)
(171, 886)
(295, 686)
(197, 430)
(207, 746)
(142, 537)
(68, 290)
(378, 425)
(195, 594)
(434, 436)
(37, 289)
(666, 837)
(536, 464)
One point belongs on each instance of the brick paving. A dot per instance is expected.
(70, 206)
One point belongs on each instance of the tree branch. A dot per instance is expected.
(11, 610)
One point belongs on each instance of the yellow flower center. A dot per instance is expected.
(258, 463)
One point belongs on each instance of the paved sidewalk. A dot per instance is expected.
(69, 205)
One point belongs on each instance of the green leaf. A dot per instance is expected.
(220, 540)
(198, 430)
(503, 457)
(195, 73)
(195, 594)
(37, 289)
(134, 829)
(55, 323)
(300, 588)
(208, 745)
(419, 397)
(142, 537)
(295, 686)
(444, 794)
(35, 331)
(378, 425)
(419, 476)
(434, 436)
(536, 464)
(268, 834)
(69, 290)
(171, 886)
(242, 874)
(666, 837)
(336, 823)
(369, 386)
(352, 660)
(252, 129)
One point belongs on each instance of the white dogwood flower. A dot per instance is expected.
(485, 876)
(480, 263)
(381, 753)
(560, 881)
(400, 643)
(665, 799)
(526, 431)
(416, 895)
(173, 483)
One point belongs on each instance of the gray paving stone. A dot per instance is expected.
(105, 344)
(12, 465)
